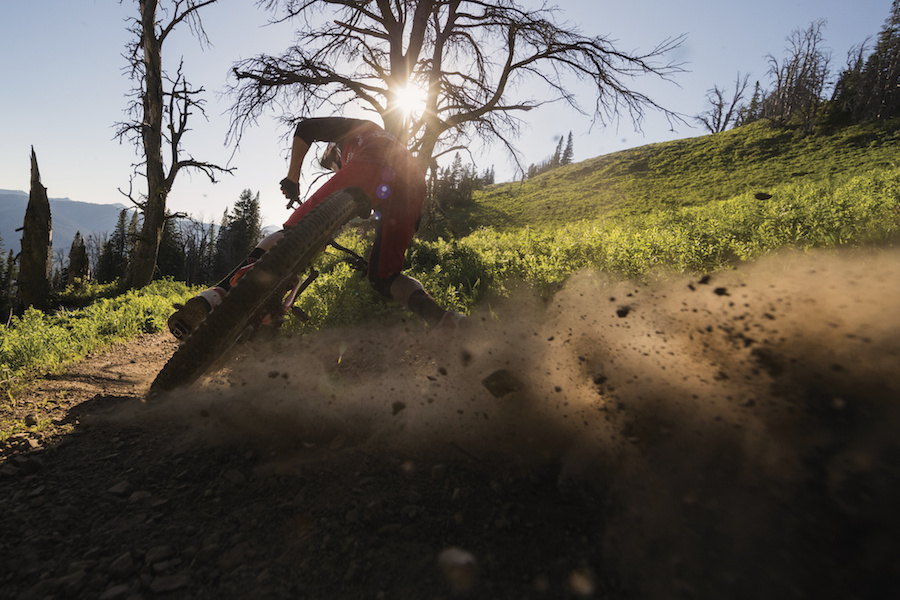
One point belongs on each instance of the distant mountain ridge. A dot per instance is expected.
(68, 217)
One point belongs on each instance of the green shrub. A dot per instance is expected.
(36, 342)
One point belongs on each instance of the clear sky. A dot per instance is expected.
(63, 86)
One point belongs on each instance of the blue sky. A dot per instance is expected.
(63, 86)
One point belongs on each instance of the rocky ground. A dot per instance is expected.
(723, 437)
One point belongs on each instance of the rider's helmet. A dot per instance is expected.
(331, 158)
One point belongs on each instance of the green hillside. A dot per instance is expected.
(682, 173)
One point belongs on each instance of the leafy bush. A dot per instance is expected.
(36, 341)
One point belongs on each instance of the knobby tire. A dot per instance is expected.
(252, 298)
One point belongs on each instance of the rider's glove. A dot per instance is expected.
(291, 190)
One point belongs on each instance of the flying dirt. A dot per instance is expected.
(732, 435)
(704, 407)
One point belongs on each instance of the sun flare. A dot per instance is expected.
(411, 99)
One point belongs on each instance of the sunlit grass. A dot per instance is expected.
(688, 206)
(847, 210)
(37, 342)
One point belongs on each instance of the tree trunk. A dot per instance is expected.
(147, 245)
(34, 262)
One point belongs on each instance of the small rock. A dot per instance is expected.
(139, 496)
(207, 554)
(582, 583)
(169, 583)
(81, 565)
(8, 470)
(158, 554)
(72, 584)
(122, 567)
(166, 566)
(121, 489)
(397, 407)
(116, 592)
(460, 569)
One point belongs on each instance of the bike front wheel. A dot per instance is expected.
(250, 300)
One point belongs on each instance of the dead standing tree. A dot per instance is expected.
(34, 261)
(470, 59)
(159, 118)
(722, 113)
(801, 78)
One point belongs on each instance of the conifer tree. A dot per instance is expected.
(557, 155)
(114, 259)
(238, 234)
(879, 93)
(569, 153)
(79, 267)
(8, 291)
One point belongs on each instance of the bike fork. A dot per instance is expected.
(288, 304)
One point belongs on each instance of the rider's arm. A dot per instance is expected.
(299, 148)
(327, 129)
(321, 129)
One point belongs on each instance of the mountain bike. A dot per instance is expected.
(266, 291)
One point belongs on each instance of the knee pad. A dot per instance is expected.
(382, 286)
(403, 288)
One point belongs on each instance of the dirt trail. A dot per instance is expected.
(724, 437)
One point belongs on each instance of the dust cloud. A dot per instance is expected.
(733, 422)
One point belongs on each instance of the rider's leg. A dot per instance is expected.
(408, 292)
(187, 316)
(385, 263)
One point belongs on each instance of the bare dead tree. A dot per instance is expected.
(194, 237)
(37, 233)
(471, 57)
(801, 78)
(159, 110)
(723, 112)
(94, 244)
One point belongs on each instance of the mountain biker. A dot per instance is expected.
(363, 155)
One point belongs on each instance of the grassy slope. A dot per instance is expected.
(685, 172)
